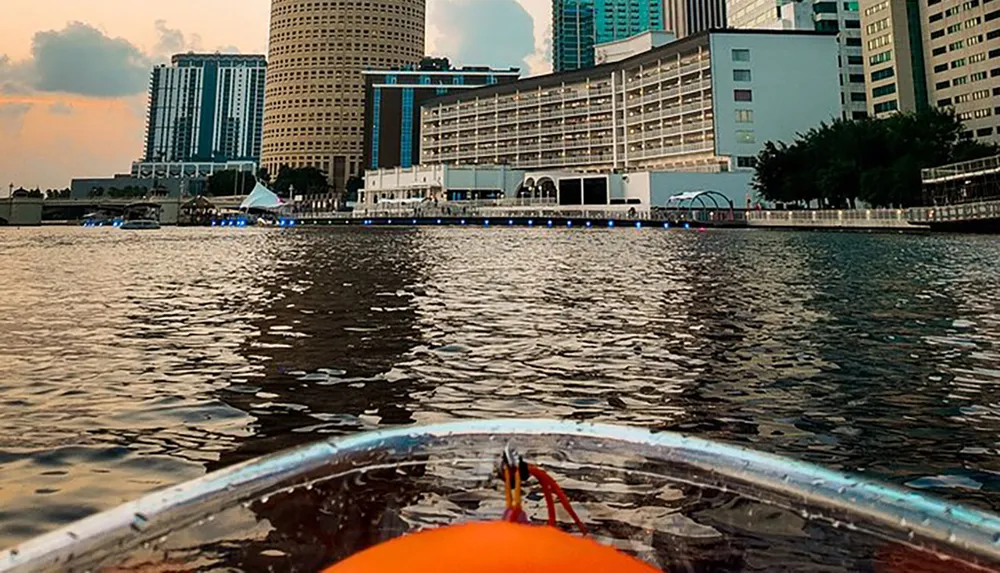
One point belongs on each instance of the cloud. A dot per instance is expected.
(82, 60)
(171, 41)
(78, 59)
(12, 117)
(60, 108)
(496, 33)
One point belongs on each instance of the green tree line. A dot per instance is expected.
(877, 161)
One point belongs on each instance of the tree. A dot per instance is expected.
(264, 176)
(351, 188)
(875, 161)
(230, 182)
(304, 181)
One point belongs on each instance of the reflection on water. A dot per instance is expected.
(130, 361)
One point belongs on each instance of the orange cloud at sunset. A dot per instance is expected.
(46, 140)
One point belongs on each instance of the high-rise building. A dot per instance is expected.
(832, 16)
(392, 110)
(314, 113)
(893, 56)
(572, 34)
(689, 17)
(206, 107)
(578, 25)
(961, 44)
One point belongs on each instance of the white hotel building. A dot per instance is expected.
(706, 103)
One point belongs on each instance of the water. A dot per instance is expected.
(130, 361)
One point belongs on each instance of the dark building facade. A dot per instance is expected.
(392, 106)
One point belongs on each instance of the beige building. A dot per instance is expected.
(961, 46)
(895, 78)
(314, 100)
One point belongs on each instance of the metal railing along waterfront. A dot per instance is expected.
(861, 218)
(984, 210)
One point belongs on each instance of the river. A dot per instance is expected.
(130, 361)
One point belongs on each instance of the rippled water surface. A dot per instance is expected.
(130, 361)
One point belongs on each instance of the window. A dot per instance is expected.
(883, 40)
(851, 6)
(742, 95)
(956, 46)
(957, 63)
(859, 114)
(877, 26)
(853, 41)
(994, 72)
(994, 53)
(960, 81)
(954, 28)
(857, 78)
(827, 26)
(993, 34)
(937, 34)
(745, 136)
(741, 55)
(741, 75)
(883, 74)
(746, 161)
(935, 17)
(980, 57)
(942, 85)
(825, 8)
(973, 40)
(973, 22)
(891, 105)
(855, 60)
(884, 90)
(852, 24)
(946, 102)
(880, 57)
(858, 96)
(984, 132)
(978, 76)
(940, 68)
(744, 116)
(876, 8)
(940, 50)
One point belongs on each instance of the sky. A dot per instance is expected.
(74, 74)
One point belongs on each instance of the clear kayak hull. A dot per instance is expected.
(680, 503)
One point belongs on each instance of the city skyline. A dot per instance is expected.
(64, 117)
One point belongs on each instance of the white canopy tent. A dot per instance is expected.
(261, 198)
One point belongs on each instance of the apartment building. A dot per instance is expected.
(893, 56)
(706, 103)
(961, 46)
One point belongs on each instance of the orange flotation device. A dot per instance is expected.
(507, 546)
(491, 547)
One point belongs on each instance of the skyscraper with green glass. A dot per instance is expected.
(578, 24)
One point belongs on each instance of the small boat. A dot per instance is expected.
(572, 497)
(141, 217)
(140, 225)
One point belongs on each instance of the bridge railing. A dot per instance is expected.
(963, 168)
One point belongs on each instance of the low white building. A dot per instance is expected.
(420, 183)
